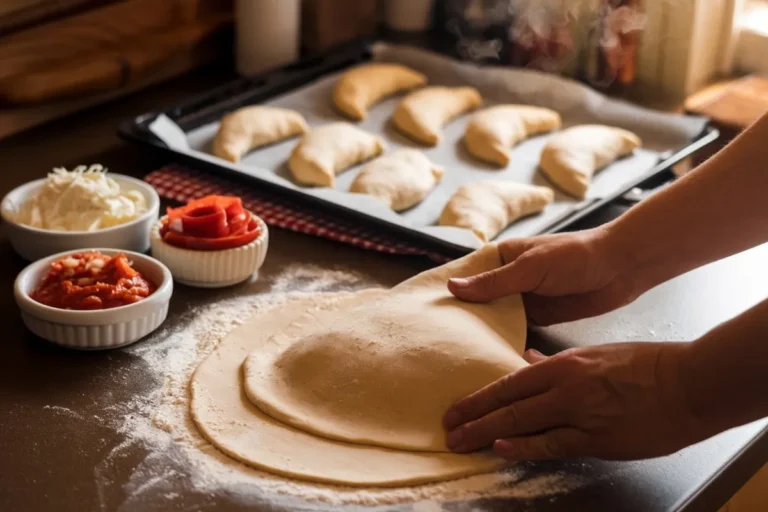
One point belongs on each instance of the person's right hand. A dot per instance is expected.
(562, 277)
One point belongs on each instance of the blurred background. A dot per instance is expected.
(707, 56)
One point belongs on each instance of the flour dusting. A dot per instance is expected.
(64, 411)
(177, 456)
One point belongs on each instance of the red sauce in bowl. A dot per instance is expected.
(213, 223)
(90, 281)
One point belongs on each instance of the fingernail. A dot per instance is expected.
(454, 439)
(503, 448)
(535, 352)
(460, 282)
(451, 419)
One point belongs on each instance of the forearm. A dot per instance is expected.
(716, 210)
(725, 372)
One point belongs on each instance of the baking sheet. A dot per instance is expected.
(576, 103)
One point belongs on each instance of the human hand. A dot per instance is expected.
(618, 401)
(562, 277)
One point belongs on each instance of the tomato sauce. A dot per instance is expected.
(212, 223)
(92, 280)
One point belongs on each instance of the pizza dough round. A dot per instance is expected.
(221, 408)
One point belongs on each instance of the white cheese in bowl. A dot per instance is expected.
(84, 199)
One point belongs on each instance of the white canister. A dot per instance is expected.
(268, 34)
(408, 15)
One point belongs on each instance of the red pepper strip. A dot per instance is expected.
(205, 222)
(232, 205)
(238, 224)
(213, 244)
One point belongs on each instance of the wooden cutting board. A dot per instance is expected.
(106, 69)
(732, 105)
(103, 49)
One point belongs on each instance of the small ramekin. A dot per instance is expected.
(34, 243)
(211, 269)
(99, 329)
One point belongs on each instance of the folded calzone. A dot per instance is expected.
(400, 179)
(365, 85)
(422, 114)
(251, 127)
(329, 149)
(488, 207)
(491, 132)
(572, 157)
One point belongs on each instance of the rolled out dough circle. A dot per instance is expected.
(383, 371)
(227, 419)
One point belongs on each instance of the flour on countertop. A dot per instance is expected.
(159, 422)
(66, 411)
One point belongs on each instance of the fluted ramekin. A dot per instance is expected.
(97, 329)
(211, 269)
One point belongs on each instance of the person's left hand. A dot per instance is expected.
(618, 401)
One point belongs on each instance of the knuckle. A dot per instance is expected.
(510, 250)
(490, 280)
(510, 417)
(476, 434)
(499, 392)
(460, 410)
(567, 358)
(551, 447)
(529, 262)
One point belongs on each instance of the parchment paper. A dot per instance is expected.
(576, 103)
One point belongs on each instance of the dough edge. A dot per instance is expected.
(225, 417)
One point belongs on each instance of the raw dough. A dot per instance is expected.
(365, 85)
(400, 179)
(488, 207)
(330, 149)
(572, 156)
(493, 131)
(226, 417)
(252, 127)
(422, 114)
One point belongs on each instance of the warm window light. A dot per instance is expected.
(755, 18)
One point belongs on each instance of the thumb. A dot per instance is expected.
(533, 356)
(520, 276)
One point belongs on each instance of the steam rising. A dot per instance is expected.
(552, 32)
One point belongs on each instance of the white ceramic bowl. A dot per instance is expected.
(211, 269)
(33, 243)
(99, 329)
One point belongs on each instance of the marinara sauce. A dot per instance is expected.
(92, 280)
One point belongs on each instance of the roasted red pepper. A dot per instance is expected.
(212, 223)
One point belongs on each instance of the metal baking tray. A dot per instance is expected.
(295, 86)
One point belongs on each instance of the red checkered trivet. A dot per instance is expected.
(181, 184)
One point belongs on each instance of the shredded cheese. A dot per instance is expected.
(83, 199)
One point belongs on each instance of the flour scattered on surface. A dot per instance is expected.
(177, 456)
(65, 411)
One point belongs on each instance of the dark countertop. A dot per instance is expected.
(58, 454)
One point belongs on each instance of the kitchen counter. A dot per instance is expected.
(59, 453)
